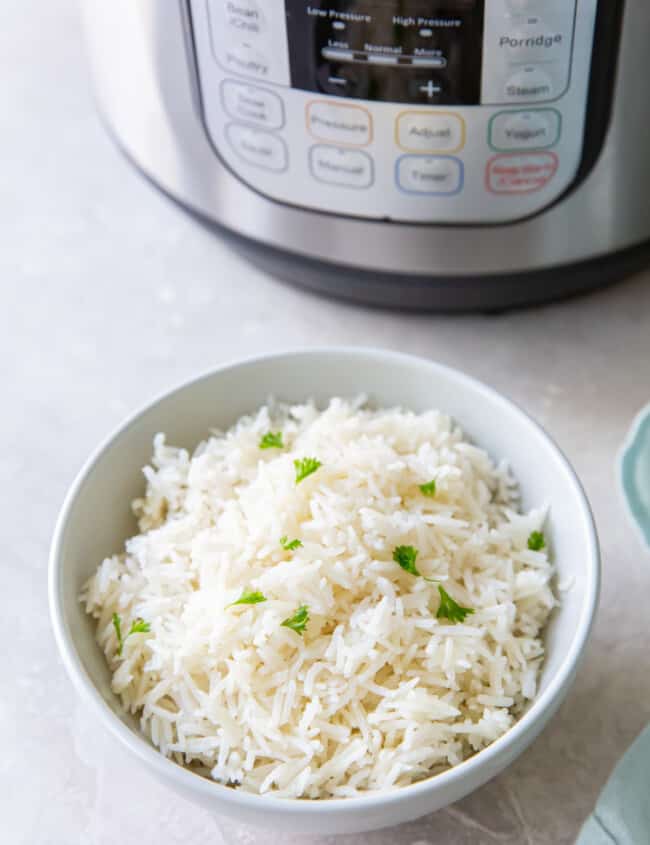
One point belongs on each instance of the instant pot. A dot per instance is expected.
(445, 154)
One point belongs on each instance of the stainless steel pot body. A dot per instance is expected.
(146, 64)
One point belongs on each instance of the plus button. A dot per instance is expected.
(431, 88)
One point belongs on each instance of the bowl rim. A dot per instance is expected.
(635, 439)
(515, 738)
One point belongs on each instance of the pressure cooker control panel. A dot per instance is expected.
(433, 111)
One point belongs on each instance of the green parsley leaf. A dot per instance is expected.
(290, 546)
(298, 622)
(248, 598)
(305, 467)
(536, 541)
(139, 627)
(406, 556)
(428, 489)
(449, 609)
(272, 440)
(117, 624)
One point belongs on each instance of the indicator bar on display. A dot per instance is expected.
(335, 54)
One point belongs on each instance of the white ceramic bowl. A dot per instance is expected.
(96, 519)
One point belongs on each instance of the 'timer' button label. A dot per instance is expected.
(431, 175)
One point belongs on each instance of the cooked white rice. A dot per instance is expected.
(378, 692)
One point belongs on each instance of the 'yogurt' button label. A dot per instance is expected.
(525, 130)
(520, 174)
(432, 175)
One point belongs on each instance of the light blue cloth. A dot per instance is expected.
(622, 815)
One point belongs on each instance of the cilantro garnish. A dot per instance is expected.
(298, 622)
(248, 598)
(406, 556)
(449, 609)
(138, 626)
(272, 440)
(290, 545)
(536, 541)
(305, 467)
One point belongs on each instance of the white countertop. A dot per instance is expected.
(109, 294)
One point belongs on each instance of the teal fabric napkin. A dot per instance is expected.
(622, 815)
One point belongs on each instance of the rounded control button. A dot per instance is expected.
(244, 17)
(257, 147)
(343, 80)
(520, 174)
(430, 132)
(532, 40)
(247, 60)
(525, 130)
(345, 168)
(525, 7)
(530, 84)
(432, 175)
(341, 124)
(251, 104)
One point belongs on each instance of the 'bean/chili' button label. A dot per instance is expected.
(520, 174)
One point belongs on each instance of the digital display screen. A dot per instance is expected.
(409, 51)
